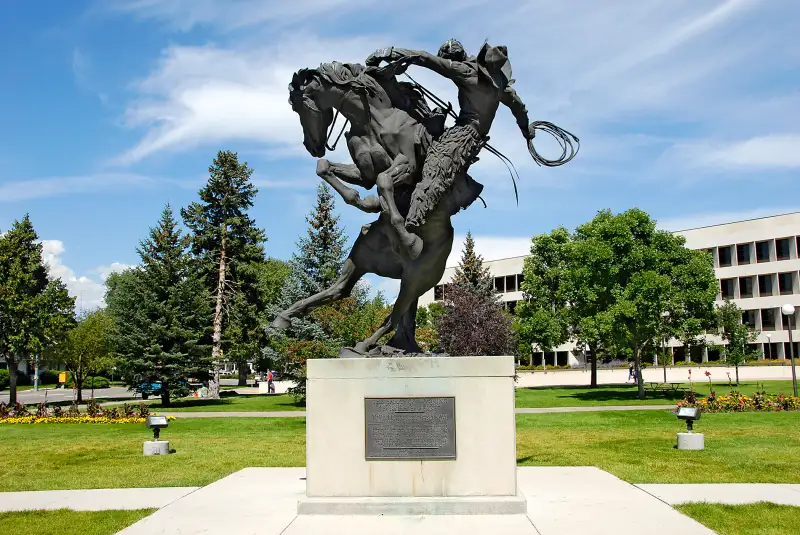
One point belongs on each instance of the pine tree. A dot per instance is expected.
(314, 267)
(35, 310)
(471, 274)
(226, 240)
(160, 311)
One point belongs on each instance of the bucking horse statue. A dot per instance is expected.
(392, 131)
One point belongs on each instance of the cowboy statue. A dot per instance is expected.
(484, 82)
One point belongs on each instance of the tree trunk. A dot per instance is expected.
(165, 399)
(638, 367)
(243, 370)
(12, 381)
(79, 389)
(216, 337)
(593, 352)
(737, 376)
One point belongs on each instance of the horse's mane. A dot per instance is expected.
(351, 75)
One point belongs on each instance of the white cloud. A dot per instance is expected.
(772, 151)
(88, 292)
(51, 187)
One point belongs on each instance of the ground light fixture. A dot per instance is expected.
(690, 440)
(788, 311)
(156, 446)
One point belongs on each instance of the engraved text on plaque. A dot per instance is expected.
(410, 428)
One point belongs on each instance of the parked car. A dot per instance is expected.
(153, 388)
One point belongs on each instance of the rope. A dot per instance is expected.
(565, 141)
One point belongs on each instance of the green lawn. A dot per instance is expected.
(761, 518)
(637, 446)
(68, 522)
(627, 394)
(241, 403)
(84, 456)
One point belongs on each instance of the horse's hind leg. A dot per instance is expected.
(405, 299)
(405, 336)
(340, 289)
(399, 173)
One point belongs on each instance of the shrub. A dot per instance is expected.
(23, 379)
(97, 381)
(3, 379)
(144, 410)
(48, 377)
(93, 408)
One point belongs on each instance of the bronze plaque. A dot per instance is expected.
(410, 428)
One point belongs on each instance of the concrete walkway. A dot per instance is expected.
(93, 499)
(727, 493)
(561, 501)
(522, 410)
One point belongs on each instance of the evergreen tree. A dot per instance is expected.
(35, 310)
(471, 274)
(314, 267)
(227, 243)
(160, 311)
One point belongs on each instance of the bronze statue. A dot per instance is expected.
(399, 144)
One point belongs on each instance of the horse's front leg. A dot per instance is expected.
(398, 173)
(334, 173)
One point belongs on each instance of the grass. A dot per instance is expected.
(68, 522)
(761, 518)
(84, 456)
(639, 446)
(239, 403)
(627, 394)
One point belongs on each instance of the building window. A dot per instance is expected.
(762, 251)
(767, 319)
(499, 284)
(749, 318)
(785, 320)
(765, 285)
(785, 283)
(520, 280)
(511, 283)
(725, 256)
(438, 292)
(727, 288)
(746, 287)
(782, 249)
(743, 253)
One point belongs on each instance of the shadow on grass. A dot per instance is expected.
(231, 400)
(603, 393)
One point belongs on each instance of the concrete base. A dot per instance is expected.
(477, 505)
(485, 427)
(156, 447)
(691, 441)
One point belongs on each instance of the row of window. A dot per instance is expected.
(768, 319)
(766, 285)
(504, 284)
(773, 250)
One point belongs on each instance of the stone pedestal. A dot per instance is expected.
(691, 441)
(431, 435)
(156, 447)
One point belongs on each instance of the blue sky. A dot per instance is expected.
(113, 108)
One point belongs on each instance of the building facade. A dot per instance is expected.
(757, 265)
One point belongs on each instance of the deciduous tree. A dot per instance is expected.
(86, 351)
(737, 336)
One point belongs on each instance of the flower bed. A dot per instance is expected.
(95, 414)
(737, 402)
(85, 419)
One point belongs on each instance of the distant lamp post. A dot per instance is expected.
(665, 319)
(788, 311)
(769, 346)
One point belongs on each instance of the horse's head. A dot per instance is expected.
(315, 119)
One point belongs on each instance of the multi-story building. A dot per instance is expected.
(756, 262)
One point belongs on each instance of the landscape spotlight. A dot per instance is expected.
(690, 414)
(156, 423)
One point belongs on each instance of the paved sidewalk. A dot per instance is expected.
(92, 499)
(727, 493)
(522, 410)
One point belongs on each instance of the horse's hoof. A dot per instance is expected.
(281, 322)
